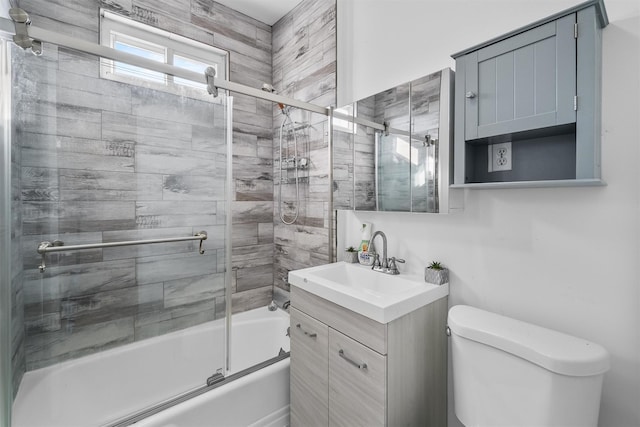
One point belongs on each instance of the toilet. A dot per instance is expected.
(511, 373)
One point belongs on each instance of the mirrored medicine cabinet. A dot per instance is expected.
(392, 150)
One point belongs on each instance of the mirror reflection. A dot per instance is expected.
(388, 155)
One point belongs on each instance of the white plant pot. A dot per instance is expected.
(351, 257)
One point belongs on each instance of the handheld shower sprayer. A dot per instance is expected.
(287, 159)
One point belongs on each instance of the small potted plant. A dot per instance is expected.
(351, 254)
(436, 273)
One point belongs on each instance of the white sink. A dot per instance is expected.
(378, 296)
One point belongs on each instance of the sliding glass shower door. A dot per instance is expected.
(108, 331)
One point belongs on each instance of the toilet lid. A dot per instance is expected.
(554, 351)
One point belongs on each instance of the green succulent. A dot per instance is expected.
(436, 265)
(351, 249)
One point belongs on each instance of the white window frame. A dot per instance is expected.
(114, 27)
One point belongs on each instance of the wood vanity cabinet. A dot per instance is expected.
(309, 370)
(539, 89)
(349, 370)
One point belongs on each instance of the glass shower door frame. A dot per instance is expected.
(228, 232)
(6, 379)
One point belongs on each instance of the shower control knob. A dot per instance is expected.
(470, 95)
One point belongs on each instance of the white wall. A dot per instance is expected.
(4, 8)
(565, 258)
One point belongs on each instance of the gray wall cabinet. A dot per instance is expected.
(539, 88)
(525, 82)
(348, 370)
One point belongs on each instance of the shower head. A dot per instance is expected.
(269, 88)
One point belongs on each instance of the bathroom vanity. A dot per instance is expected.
(353, 364)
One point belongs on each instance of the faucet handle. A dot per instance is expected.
(393, 268)
(376, 261)
(393, 260)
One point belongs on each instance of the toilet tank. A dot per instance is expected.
(511, 373)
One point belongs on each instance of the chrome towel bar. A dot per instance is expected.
(58, 246)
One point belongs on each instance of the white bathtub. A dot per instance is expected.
(97, 389)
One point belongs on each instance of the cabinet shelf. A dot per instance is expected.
(533, 184)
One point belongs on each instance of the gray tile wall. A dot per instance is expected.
(304, 67)
(105, 161)
(249, 44)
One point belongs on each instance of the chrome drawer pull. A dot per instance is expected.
(309, 334)
(357, 365)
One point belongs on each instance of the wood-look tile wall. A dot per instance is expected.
(106, 161)
(304, 67)
(127, 168)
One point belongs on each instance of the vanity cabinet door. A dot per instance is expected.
(309, 371)
(357, 383)
(524, 82)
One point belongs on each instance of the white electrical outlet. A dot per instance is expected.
(499, 157)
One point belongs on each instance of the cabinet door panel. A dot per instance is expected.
(545, 76)
(357, 395)
(487, 99)
(505, 87)
(309, 371)
(525, 82)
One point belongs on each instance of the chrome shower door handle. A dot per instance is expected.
(309, 334)
(470, 95)
(362, 365)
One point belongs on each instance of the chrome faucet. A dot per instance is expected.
(388, 265)
(376, 263)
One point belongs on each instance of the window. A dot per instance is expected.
(148, 42)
